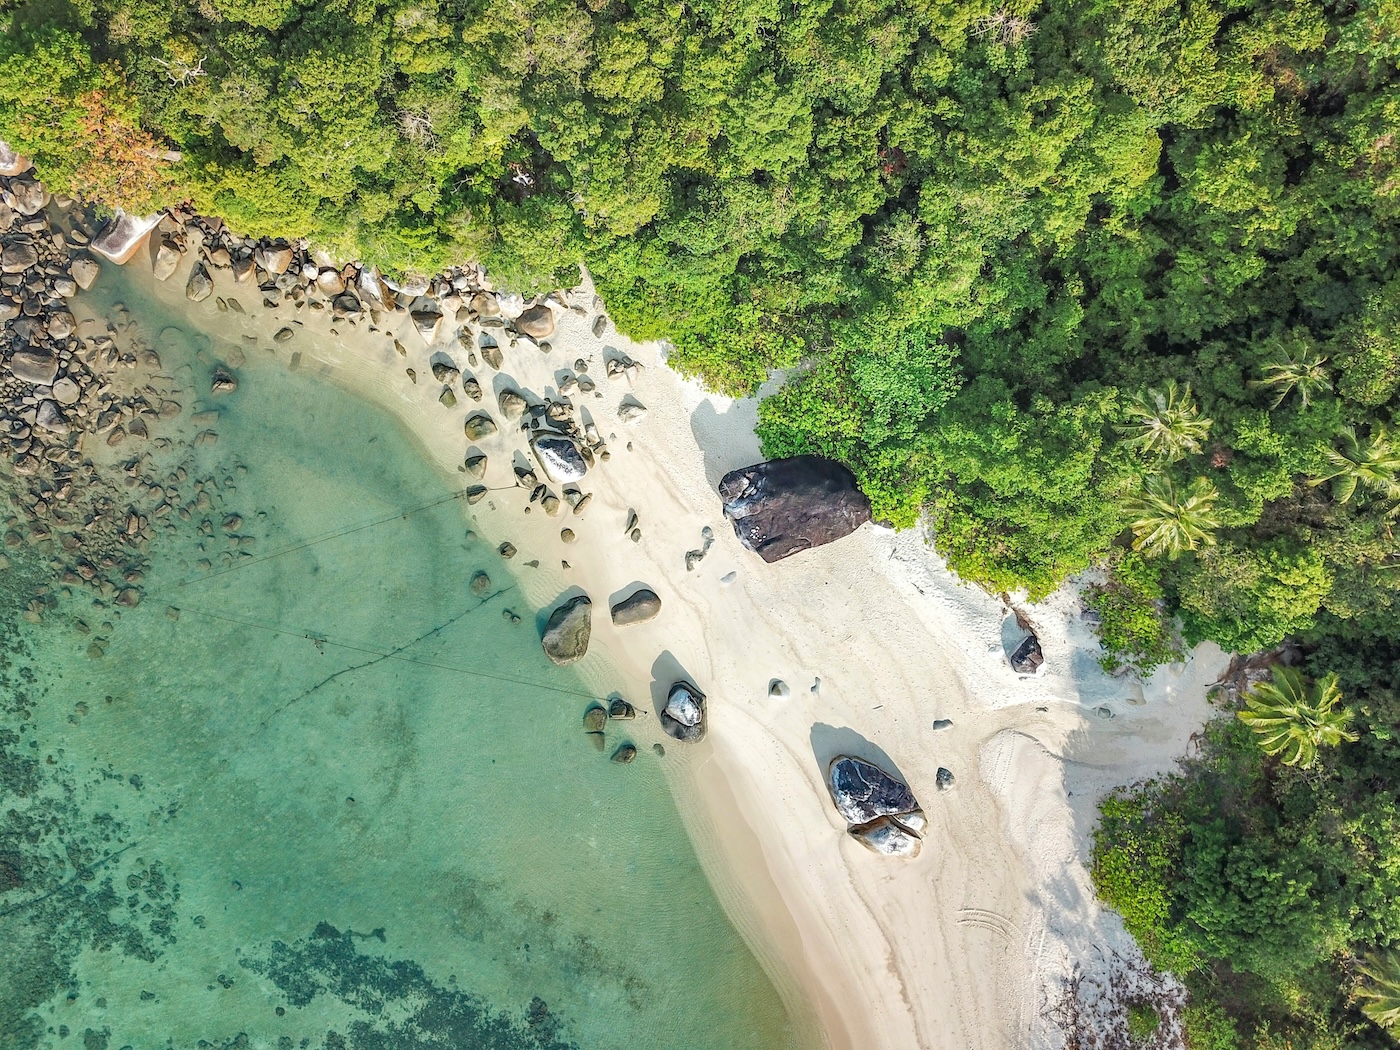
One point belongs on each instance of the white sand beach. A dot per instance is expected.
(960, 948)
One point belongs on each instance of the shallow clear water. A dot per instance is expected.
(311, 790)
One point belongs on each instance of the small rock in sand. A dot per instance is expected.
(779, 689)
(480, 583)
(625, 754)
(84, 271)
(567, 535)
(620, 709)
(943, 779)
(595, 719)
(942, 723)
(476, 466)
(631, 411)
(507, 550)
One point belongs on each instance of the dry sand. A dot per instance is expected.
(961, 948)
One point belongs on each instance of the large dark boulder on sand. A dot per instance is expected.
(567, 633)
(683, 717)
(880, 810)
(787, 505)
(1028, 655)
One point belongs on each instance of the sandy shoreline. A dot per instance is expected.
(958, 948)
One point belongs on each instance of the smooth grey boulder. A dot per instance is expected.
(559, 456)
(66, 392)
(16, 258)
(683, 717)
(638, 607)
(34, 366)
(165, 261)
(879, 809)
(566, 635)
(788, 505)
(330, 283)
(199, 287)
(29, 196)
(84, 271)
(50, 418)
(1028, 657)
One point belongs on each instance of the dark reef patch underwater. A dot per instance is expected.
(238, 723)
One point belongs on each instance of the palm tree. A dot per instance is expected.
(1381, 989)
(1374, 466)
(1302, 371)
(1166, 422)
(1169, 522)
(1293, 719)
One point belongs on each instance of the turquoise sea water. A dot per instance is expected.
(312, 791)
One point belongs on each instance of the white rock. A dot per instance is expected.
(66, 392)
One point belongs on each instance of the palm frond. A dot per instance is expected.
(1293, 719)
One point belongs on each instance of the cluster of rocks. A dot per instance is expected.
(49, 385)
(64, 382)
(880, 811)
(595, 726)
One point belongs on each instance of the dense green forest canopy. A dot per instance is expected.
(1087, 282)
(988, 237)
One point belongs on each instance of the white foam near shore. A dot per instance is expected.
(959, 948)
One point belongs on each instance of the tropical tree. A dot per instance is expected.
(1294, 718)
(1165, 422)
(1300, 370)
(1381, 989)
(1373, 466)
(1168, 522)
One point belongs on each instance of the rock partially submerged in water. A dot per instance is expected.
(559, 455)
(683, 717)
(881, 811)
(36, 367)
(788, 505)
(566, 635)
